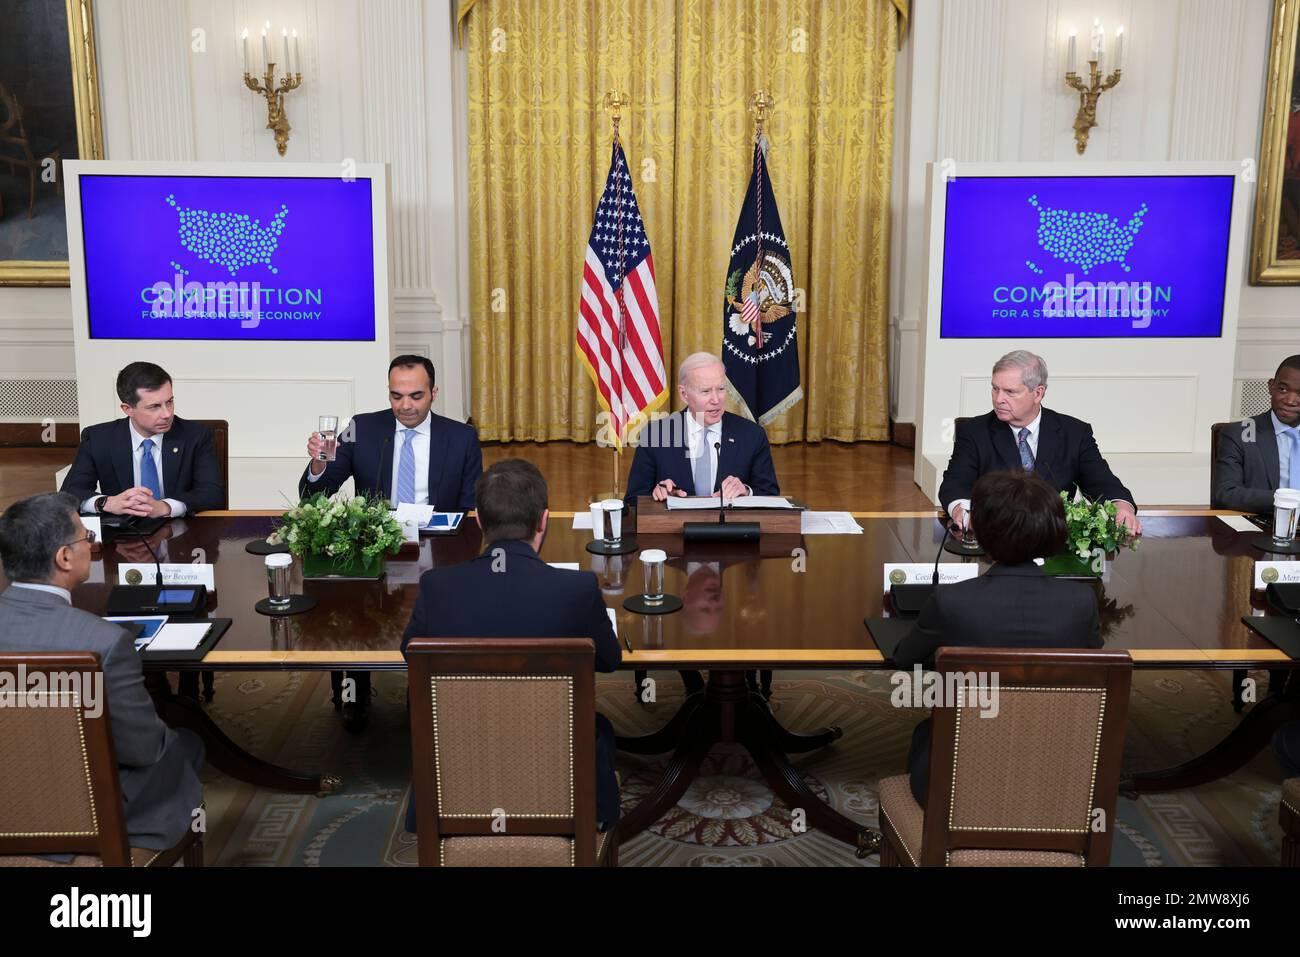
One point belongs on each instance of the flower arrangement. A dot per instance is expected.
(354, 531)
(1092, 526)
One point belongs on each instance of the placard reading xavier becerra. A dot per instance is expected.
(228, 257)
(1085, 256)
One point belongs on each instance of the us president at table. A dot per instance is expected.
(1260, 455)
(702, 449)
(151, 464)
(1019, 433)
(510, 592)
(405, 453)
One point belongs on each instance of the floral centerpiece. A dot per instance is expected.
(339, 536)
(1092, 536)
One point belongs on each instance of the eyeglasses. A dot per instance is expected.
(90, 537)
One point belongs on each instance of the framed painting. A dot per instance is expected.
(49, 112)
(1275, 238)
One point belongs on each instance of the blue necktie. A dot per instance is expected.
(1026, 454)
(149, 469)
(702, 483)
(406, 469)
(1293, 470)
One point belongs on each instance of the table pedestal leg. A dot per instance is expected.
(728, 710)
(179, 711)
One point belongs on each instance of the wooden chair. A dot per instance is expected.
(1028, 787)
(503, 739)
(1288, 815)
(59, 791)
(221, 448)
(18, 150)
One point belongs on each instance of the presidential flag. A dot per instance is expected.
(759, 349)
(618, 321)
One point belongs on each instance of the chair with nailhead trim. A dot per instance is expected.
(1033, 785)
(59, 790)
(1288, 815)
(503, 762)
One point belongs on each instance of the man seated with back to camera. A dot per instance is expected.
(1017, 517)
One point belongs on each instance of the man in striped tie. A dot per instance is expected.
(1020, 434)
(405, 453)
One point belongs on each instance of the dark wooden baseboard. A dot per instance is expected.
(903, 433)
(35, 435)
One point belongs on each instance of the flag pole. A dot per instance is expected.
(615, 100)
(759, 103)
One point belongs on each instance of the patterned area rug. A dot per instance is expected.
(729, 817)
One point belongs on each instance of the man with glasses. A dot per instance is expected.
(45, 551)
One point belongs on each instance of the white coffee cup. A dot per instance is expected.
(597, 520)
(613, 508)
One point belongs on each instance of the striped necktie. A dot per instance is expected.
(406, 469)
(1026, 453)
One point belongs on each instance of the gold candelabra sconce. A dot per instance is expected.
(1090, 92)
(276, 117)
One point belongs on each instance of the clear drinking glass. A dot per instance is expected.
(328, 432)
(1286, 507)
(968, 529)
(279, 568)
(652, 561)
(614, 517)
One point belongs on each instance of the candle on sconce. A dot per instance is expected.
(1119, 47)
(1097, 44)
(266, 53)
(284, 33)
(297, 54)
(244, 38)
(1070, 59)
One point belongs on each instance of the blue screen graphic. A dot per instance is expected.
(228, 257)
(1085, 256)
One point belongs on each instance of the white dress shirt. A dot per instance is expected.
(137, 453)
(1284, 476)
(41, 586)
(419, 447)
(1031, 439)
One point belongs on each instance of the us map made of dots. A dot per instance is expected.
(231, 240)
(1085, 239)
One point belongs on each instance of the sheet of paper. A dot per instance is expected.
(1239, 523)
(420, 514)
(572, 566)
(613, 619)
(582, 520)
(176, 636)
(152, 624)
(742, 501)
(829, 523)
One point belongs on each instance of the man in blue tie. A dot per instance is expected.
(1262, 455)
(1020, 433)
(406, 453)
(151, 464)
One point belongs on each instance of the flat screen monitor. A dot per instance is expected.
(1122, 256)
(228, 257)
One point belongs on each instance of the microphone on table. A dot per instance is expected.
(909, 599)
(717, 458)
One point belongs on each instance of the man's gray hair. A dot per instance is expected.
(32, 531)
(696, 360)
(1033, 370)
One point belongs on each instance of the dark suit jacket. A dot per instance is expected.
(455, 461)
(1247, 473)
(664, 454)
(1067, 457)
(190, 473)
(528, 599)
(156, 765)
(1009, 606)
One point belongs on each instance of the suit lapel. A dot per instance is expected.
(122, 455)
(1003, 444)
(437, 456)
(172, 449)
(1266, 442)
(1050, 445)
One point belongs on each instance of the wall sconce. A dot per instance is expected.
(1086, 118)
(276, 119)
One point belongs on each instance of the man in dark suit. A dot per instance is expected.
(702, 449)
(406, 453)
(153, 463)
(509, 592)
(45, 550)
(1263, 455)
(1020, 433)
(1018, 517)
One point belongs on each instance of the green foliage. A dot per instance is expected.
(1092, 525)
(344, 529)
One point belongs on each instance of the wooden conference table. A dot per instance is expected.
(791, 603)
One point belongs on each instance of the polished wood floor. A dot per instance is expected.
(865, 476)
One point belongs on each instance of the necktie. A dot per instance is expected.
(406, 469)
(702, 484)
(1026, 454)
(1293, 471)
(149, 469)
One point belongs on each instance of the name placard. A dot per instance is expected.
(1266, 573)
(172, 574)
(93, 524)
(922, 573)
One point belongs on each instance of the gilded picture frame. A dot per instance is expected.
(1275, 234)
(22, 271)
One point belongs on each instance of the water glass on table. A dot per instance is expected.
(328, 432)
(279, 569)
(1286, 508)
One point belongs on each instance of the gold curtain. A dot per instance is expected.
(539, 153)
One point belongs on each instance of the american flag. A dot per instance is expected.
(618, 322)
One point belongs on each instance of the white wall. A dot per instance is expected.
(983, 80)
(380, 84)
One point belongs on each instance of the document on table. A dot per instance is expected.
(177, 636)
(572, 566)
(740, 501)
(1239, 523)
(582, 520)
(829, 523)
